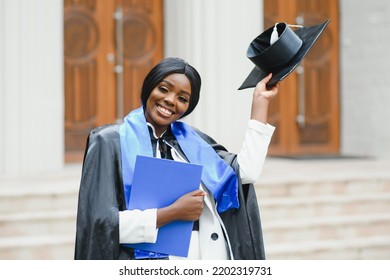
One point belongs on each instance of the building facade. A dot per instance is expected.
(212, 36)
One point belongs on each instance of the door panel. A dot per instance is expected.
(142, 46)
(97, 82)
(306, 112)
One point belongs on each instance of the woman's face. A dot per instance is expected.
(168, 101)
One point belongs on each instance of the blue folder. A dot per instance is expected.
(158, 183)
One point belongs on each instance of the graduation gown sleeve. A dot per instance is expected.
(100, 196)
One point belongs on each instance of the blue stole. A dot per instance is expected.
(219, 177)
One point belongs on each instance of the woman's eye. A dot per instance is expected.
(163, 89)
(183, 99)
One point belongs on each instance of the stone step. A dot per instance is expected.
(341, 215)
(326, 227)
(38, 247)
(61, 247)
(324, 205)
(362, 248)
(42, 197)
(326, 186)
(38, 222)
(42, 191)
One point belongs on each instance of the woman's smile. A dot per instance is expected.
(168, 101)
(164, 110)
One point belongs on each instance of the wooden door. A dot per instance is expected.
(109, 45)
(306, 112)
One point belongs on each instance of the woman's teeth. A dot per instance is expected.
(163, 110)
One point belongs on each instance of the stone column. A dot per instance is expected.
(213, 36)
(31, 86)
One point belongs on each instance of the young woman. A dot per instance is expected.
(224, 209)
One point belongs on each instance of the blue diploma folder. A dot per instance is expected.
(158, 183)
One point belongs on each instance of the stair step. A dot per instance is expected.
(43, 197)
(322, 228)
(327, 186)
(38, 247)
(316, 210)
(362, 248)
(314, 206)
(38, 222)
(311, 172)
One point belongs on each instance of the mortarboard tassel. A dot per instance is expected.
(274, 35)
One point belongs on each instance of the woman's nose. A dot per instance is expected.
(169, 98)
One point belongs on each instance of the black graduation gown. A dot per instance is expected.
(101, 198)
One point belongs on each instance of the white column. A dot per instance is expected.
(213, 36)
(364, 83)
(31, 86)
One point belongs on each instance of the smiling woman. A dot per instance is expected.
(224, 210)
(168, 101)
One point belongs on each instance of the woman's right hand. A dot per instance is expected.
(186, 208)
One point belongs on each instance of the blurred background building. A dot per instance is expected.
(67, 66)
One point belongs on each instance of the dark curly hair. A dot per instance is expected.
(167, 67)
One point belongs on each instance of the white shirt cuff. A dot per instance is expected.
(136, 226)
(263, 128)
